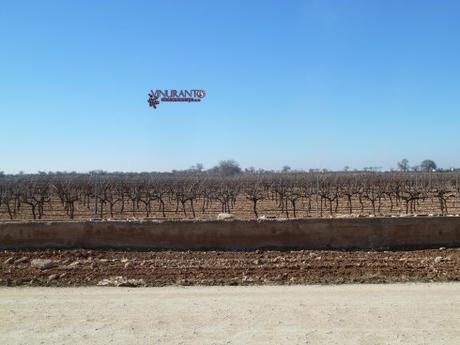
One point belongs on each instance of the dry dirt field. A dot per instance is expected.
(341, 314)
(160, 268)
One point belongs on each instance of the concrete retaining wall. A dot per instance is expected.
(357, 233)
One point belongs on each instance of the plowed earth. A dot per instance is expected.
(159, 268)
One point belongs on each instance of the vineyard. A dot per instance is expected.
(246, 195)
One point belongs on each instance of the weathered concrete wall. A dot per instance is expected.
(307, 233)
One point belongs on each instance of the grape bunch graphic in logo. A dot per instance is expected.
(153, 100)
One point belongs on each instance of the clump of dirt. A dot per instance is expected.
(160, 268)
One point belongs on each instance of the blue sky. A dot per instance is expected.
(309, 84)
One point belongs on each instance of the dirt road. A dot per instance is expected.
(339, 314)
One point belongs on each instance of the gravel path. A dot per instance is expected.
(339, 314)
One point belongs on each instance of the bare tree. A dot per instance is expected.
(403, 165)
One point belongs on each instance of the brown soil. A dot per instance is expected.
(159, 268)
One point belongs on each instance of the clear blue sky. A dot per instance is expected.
(310, 84)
